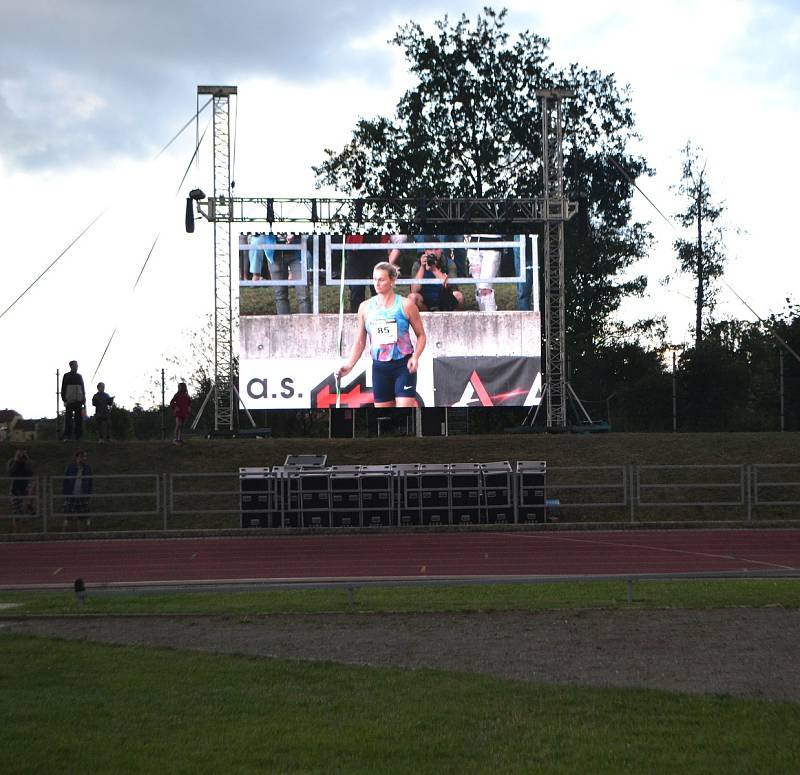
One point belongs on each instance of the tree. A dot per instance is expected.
(471, 127)
(703, 256)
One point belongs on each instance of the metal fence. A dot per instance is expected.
(575, 494)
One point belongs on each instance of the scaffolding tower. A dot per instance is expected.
(223, 388)
(555, 384)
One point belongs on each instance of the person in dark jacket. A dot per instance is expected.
(20, 471)
(77, 489)
(102, 403)
(73, 395)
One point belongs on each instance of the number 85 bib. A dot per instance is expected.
(384, 332)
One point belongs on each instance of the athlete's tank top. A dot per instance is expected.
(389, 336)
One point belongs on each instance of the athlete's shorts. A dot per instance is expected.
(392, 379)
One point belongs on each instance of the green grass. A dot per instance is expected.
(227, 455)
(261, 301)
(487, 597)
(76, 707)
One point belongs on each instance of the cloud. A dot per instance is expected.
(85, 79)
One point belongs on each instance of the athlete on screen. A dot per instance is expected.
(388, 319)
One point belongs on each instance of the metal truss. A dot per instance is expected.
(554, 320)
(378, 211)
(223, 388)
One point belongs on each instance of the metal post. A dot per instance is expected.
(632, 476)
(780, 355)
(163, 410)
(41, 500)
(167, 485)
(46, 497)
(674, 397)
(58, 403)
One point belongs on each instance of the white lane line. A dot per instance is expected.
(663, 549)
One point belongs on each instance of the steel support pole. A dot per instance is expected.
(223, 215)
(554, 314)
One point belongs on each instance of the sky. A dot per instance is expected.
(92, 90)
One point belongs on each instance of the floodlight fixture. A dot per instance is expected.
(197, 194)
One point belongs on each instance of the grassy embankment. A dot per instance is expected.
(223, 455)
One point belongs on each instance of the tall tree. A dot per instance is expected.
(703, 256)
(471, 127)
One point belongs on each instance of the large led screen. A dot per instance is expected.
(299, 295)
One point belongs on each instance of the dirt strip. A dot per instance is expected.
(740, 652)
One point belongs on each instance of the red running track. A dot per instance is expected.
(410, 556)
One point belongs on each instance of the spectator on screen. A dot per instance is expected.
(441, 296)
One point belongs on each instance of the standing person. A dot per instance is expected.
(102, 403)
(77, 488)
(387, 319)
(20, 471)
(484, 264)
(259, 252)
(181, 405)
(73, 395)
(288, 265)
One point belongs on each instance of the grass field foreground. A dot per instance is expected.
(90, 708)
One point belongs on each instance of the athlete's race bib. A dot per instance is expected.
(384, 332)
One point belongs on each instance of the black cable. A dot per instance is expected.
(233, 156)
(103, 355)
(761, 320)
(144, 265)
(633, 183)
(191, 161)
(52, 264)
(183, 128)
(152, 248)
(97, 218)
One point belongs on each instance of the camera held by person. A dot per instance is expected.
(434, 265)
(432, 261)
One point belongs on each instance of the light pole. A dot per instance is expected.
(673, 350)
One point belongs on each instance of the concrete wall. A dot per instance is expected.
(449, 334)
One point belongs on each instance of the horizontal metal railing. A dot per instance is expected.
(712, 486)
(580, 493)
(113, 495)
(606, 486)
